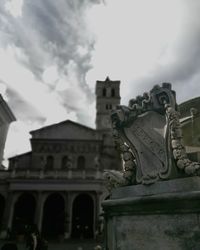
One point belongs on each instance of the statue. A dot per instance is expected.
(148, 134)
(97, 162)
(42, 163)
(69, 162)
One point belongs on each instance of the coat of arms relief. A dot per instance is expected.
(149, 137)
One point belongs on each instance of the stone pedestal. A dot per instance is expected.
(164, 215)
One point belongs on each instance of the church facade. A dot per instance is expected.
(58, 186)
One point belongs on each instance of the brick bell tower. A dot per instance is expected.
(107, 97)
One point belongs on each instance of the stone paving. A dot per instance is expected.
(71, 245)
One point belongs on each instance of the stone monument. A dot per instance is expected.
(155, 200)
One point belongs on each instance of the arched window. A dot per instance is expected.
(104, 91)
(64, 163)
(81, 162)
(113, 92)
(50, 162)
(108, 106)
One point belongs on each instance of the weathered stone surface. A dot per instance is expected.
(164, 215)
(154, 232)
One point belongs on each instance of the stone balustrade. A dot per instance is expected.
(4, 174)
(52, 174)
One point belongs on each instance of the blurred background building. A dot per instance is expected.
(58, 186)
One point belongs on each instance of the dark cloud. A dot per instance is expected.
(51, 32)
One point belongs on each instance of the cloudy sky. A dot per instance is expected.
(52, 53)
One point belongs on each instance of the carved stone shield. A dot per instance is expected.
(147, 137)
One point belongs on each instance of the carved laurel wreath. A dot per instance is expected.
(128, 175)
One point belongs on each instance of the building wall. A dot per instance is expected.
(185, 107)
(190, 120)
(3, 135)
(6, 117)
(65, 153)
(30, 174)
(107, 98)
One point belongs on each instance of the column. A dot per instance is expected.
(95, 199)
(67, 232)
(39, 210)
(98, 215)
(8, 214)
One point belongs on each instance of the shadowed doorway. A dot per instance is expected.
(53, 216)
(82, 218)
(2, 207)
(24, 211)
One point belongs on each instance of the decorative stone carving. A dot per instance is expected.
(97, 162)
(149, 137)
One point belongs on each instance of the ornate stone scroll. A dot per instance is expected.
(149, 137)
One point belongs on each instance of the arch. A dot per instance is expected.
(49, 162)
(81, 162)
(83, 222)
(104, 92)
(53, 224)
(24, 212)
(64, 163)
(2, 207)
(113, 92)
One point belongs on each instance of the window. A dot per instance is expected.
(108, 106)
(50, 162)
(104, 91)
(81, 162)
(113, 92)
